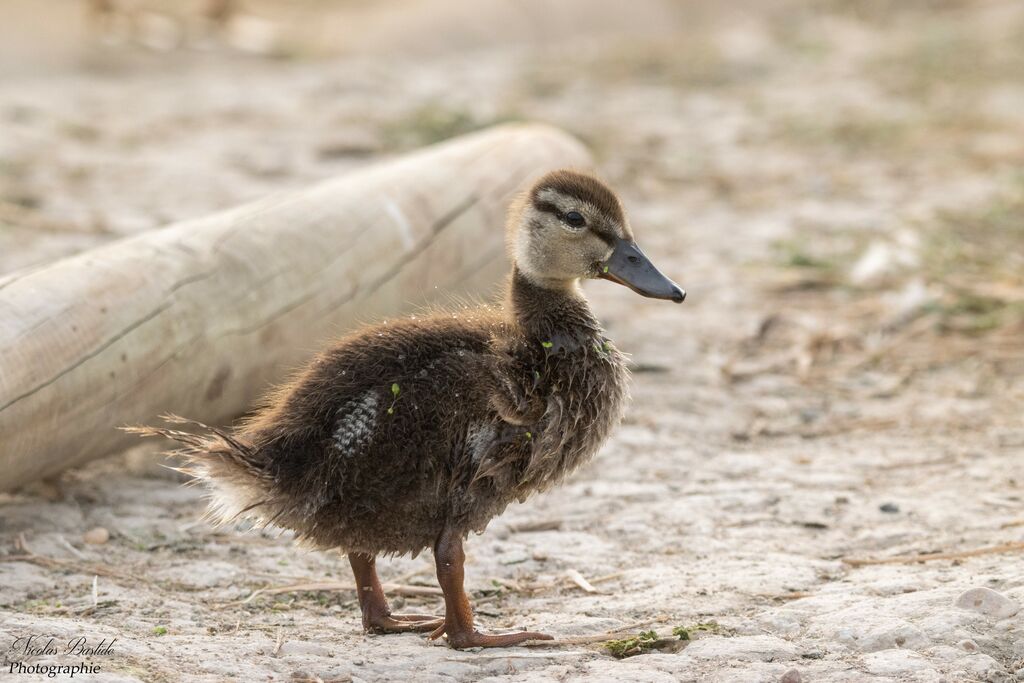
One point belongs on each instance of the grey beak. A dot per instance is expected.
(630, 267)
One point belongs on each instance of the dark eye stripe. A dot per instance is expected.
(546, 207)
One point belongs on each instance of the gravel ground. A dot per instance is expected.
(820, 477)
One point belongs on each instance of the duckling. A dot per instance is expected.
(408, 435)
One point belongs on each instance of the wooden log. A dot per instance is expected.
(200, 317)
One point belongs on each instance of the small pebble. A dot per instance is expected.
(968, 645)
(96, 536)
(791, 676)
(890, 508)
(989, 602)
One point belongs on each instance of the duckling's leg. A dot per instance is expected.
(458, 615)
(377, 616)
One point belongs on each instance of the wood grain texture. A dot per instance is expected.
(200, 317)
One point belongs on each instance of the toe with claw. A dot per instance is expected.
(463, 639)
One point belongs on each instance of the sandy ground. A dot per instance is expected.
(824, 452)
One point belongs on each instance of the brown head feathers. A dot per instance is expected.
(581, 187)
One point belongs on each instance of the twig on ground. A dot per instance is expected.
(915, 328)
(795, 595)
(520, 654)
(78, 567)
(537, 586)
(545, 525)
(404, 578)
(917, 463)
(580, 581)
(511, 585)
(391, 588)
(486, 599)
(842, 426)
(597, 637)
(72, 549)
(928, 557)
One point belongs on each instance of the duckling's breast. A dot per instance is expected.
(586, 401)
(584, 393)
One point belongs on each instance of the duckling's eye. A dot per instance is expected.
(575, 219)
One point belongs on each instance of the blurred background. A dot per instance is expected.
(870, 151)
(838, 184)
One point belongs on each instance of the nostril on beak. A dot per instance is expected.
(634, 259)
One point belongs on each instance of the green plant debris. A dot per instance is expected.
(160, 631)
(547, 344)
(712, 627)
(629, 647)
(645, 641)
(396, 392)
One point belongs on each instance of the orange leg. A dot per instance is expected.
(458, 616)
(377, 616)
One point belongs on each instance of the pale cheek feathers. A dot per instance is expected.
(553, 251)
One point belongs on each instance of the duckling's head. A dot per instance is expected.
(570, 226)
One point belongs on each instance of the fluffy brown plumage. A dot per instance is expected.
(412, 433)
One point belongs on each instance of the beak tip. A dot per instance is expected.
(678, 295)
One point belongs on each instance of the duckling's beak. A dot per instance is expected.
(629, 266)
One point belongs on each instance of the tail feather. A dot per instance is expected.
(232, 470)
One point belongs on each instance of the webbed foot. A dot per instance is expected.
(466, 638)
(377, 616)
(401, 623)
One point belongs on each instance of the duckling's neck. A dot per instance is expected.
(545, 308)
